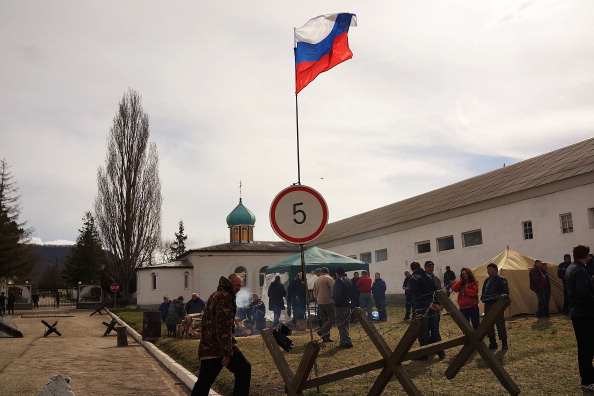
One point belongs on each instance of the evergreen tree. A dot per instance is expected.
(178, 247)
(87, 260)
(16, 256)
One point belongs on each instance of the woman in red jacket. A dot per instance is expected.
(467, 289)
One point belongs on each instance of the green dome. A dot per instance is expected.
(241, 215)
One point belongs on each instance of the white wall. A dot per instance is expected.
(170, 282)
(500, 226)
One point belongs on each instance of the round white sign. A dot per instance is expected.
(298, 214)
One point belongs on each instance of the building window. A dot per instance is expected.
(365, 257)
(262, 275)
(381, 255)
(566, 223)
(445, 243)
(153, 281)
(244, 234)
(472, 238)
(591, 217)
(527, 228)
(186, 280)
(423, 247)
(242, 273)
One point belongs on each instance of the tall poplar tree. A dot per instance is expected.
(128, 203)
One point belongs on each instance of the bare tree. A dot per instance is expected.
(128, 203)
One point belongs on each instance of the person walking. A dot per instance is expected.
(378, 290)
(218, 347)
(276, 299)
(495, 285)
(341, 294)
(581, 300)
(467, 289)
(323, 292)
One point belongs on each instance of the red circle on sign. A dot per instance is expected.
(317, 229)
(115, 287)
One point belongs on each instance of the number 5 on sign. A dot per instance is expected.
(298, 214)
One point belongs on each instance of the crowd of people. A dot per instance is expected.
(174, 311)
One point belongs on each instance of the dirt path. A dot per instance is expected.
(94, 363)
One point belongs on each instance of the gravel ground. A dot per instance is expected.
(94, 363)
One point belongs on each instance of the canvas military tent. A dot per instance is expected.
(515, 267)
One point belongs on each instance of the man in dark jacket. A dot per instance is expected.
(561, 269)
(276, 302)
(410, 306)
(218, 348)
(495, 286)
(257, 312)
(195, 305)
(355, 294)
(581, 300)
(538, 284)
(341, 293)
(296, 298)
(423, 289)
(378, 290)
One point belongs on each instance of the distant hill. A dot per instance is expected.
(48, 255)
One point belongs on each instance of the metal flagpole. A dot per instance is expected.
(298, 163)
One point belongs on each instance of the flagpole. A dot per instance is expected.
(297, 123)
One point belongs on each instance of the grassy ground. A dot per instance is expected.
(542, 360)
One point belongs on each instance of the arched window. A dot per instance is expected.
(244, 234)
(242, 272)
(186, 280)
(153, 281)
(262, 275)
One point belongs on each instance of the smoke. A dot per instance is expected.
(243, 297)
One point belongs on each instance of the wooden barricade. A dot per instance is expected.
(391, 361)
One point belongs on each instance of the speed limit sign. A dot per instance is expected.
(298, 214)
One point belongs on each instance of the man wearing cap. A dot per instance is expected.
(561, 269)
(434, 335)
(495, 285)
(423, 289)
(581, 300)
(341, 293)
(323, 292)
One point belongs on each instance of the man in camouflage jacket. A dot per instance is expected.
(218, 347)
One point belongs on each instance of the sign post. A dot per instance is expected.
(299, 214)
(115, 287)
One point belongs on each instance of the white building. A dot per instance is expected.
(540, 207)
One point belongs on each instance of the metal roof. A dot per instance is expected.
(564, 163)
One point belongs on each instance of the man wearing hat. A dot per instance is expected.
(495, 285)
(561, 274)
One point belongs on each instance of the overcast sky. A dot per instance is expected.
(436, 92)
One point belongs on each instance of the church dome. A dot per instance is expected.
(241, 216)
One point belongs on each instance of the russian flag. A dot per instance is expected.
(321, 44)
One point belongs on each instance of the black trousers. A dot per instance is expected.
(584, 329)
(210, 369)
(499, 322)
